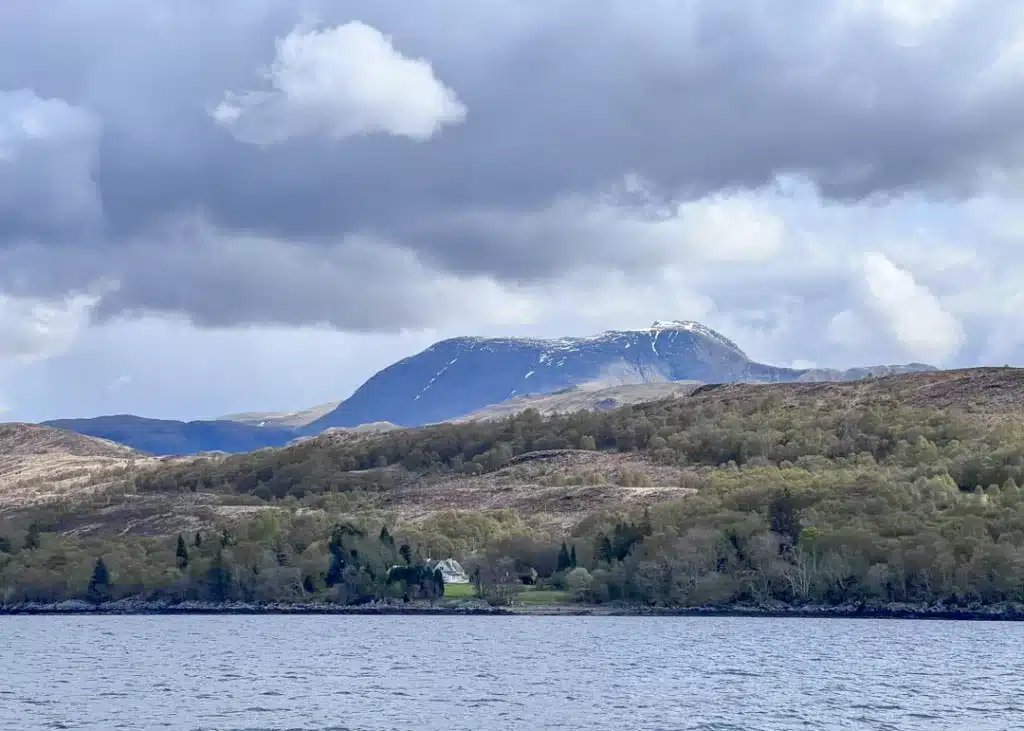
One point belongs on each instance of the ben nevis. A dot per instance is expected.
(458, 376)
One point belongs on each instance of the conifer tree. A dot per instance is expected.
(182, 553)
(99, 584)
(564, 559)
(32, 537)
(220, 578)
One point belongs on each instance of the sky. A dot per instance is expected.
(213, 206)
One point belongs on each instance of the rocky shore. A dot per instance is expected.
(998, 612)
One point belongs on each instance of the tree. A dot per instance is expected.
(99, 584)
(198, 542)
(406, 553)
(182, 553)
(785, 517)
(336, 570)
(604, 551)
(5, 545)
(220, 579)
(385, 537)
(564, 559)
(495, 581)
(32, 537)
(572, 556)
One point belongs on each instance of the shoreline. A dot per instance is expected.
(998, 613)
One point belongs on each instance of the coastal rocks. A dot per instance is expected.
(137, 606)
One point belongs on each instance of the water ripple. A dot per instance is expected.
(544, 673)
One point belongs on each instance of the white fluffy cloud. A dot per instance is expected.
(897, 307)
(340, 82)
(33, 329)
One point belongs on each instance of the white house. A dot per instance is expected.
(451, 571)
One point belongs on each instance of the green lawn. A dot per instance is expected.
(458, 591)
(544, 596)
(527, 595)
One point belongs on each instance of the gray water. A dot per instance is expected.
(482, 673)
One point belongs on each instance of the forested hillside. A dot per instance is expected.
(901, 489)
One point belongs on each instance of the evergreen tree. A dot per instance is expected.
(645, 527)
(281, 554)
(572, 556)
(785, 518)
(385, 537)
(337, 568)
(182, 553)
(5, 545)
(564, 559)
(32, 537)
(604, 551)
(406, 552)
(225, 538)
(198, 541)
(99, 584)
(220, 579)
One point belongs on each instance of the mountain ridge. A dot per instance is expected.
(457, 376)
(465, 375)
(171, 437)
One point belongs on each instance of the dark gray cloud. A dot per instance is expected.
(564, 100)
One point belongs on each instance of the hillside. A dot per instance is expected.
(168, 437)
(460, 376)
(40, 465)
(896, 489)
(583, 398)
(19, 440)
(284, 419)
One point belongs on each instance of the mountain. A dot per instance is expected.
(20, 440)
(166, 437)
(459, 376)
(286, 419)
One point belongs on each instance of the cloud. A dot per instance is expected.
(36, 329)
(577, 170)
(48, 151)
(897, 306)
(341, 82)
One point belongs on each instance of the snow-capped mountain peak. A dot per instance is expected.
(462, 375)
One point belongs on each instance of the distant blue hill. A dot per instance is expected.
(166, 437)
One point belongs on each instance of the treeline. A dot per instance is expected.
(282, 557)
(794, 502)
(691, 433)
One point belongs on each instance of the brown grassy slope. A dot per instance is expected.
(555, 488)
(988, 392)
(291, 419)
(584, 399)
(18, 440)
(40, 464)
